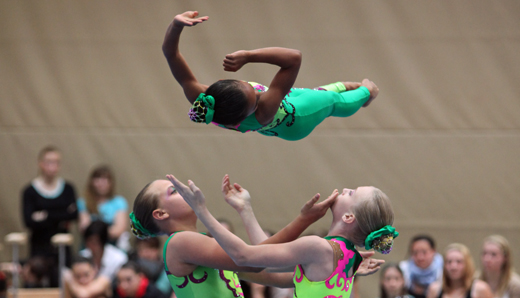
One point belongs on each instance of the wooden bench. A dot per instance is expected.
(36, 293)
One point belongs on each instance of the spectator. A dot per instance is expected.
(497, 268)
(101, 203)
(3, 285)
(149, 259)
(132, 283)
(423, 267)
(36, 273)
(392, 282)
(107, 258)
(83, 283)
(457, 279)
(49, 205)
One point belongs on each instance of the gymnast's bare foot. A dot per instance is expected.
(372, 88)
(351, 85)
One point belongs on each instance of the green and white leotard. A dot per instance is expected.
(340, 282)
(303, 109)
(204, 282)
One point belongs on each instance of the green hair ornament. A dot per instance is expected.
(203, 109)
(138, 230)
(382, 239)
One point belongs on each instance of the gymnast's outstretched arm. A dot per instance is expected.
(304, 250)
(180, 69)
(239, 198)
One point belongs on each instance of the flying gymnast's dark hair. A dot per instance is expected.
(230, 102)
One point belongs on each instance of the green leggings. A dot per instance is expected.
(309, 107)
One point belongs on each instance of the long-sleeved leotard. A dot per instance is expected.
(303, 109)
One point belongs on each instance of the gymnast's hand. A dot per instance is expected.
(369, 265)
(188, 18)
(235, 195)
(236, 60)
(191, 193)
(312, 211)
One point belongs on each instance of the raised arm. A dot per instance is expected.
(309, 214)
(180, 69)
(289, 61)
(305, 250)
(239, 198)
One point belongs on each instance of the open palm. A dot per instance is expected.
(235, 195)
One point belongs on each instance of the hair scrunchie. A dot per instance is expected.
(382, 239)
(138, 230)
(202, 109)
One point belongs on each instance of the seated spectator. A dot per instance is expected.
(101, 203)
(457, 279)
(391, 282)
(423, 267)
(107, 258)
(83, 283)
(497, 268)
(36, 273)
(132, 283)
(3, 285)
(149, 259)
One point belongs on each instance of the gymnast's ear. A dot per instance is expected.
(160, 214)
(348, 218)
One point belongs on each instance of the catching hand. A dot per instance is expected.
(191, 193)
(235, 195)
(188, 18)
(235, 61)
(369, 265)
(313, 211)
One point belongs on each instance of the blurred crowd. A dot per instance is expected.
(112, 264)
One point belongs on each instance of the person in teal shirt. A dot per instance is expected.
(278, 110)
(323, 267)
(102, 203)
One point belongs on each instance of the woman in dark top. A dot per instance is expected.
(49, 204)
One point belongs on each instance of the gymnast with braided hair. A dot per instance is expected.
(275, 110)
(323, 267)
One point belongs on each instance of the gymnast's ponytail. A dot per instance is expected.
(375, 217)
(141, 219)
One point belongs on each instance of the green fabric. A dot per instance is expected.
(339, 283)
(204, 282)
(376, 234)
(208, 102)
(138, 229)
(335, 87)
(303, 109)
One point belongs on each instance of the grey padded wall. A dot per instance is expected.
(442, 139)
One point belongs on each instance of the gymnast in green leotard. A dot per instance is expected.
(195, 264)
(278, 110)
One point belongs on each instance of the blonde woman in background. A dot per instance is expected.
(497, 268)
(457, 279)
(102, 203)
